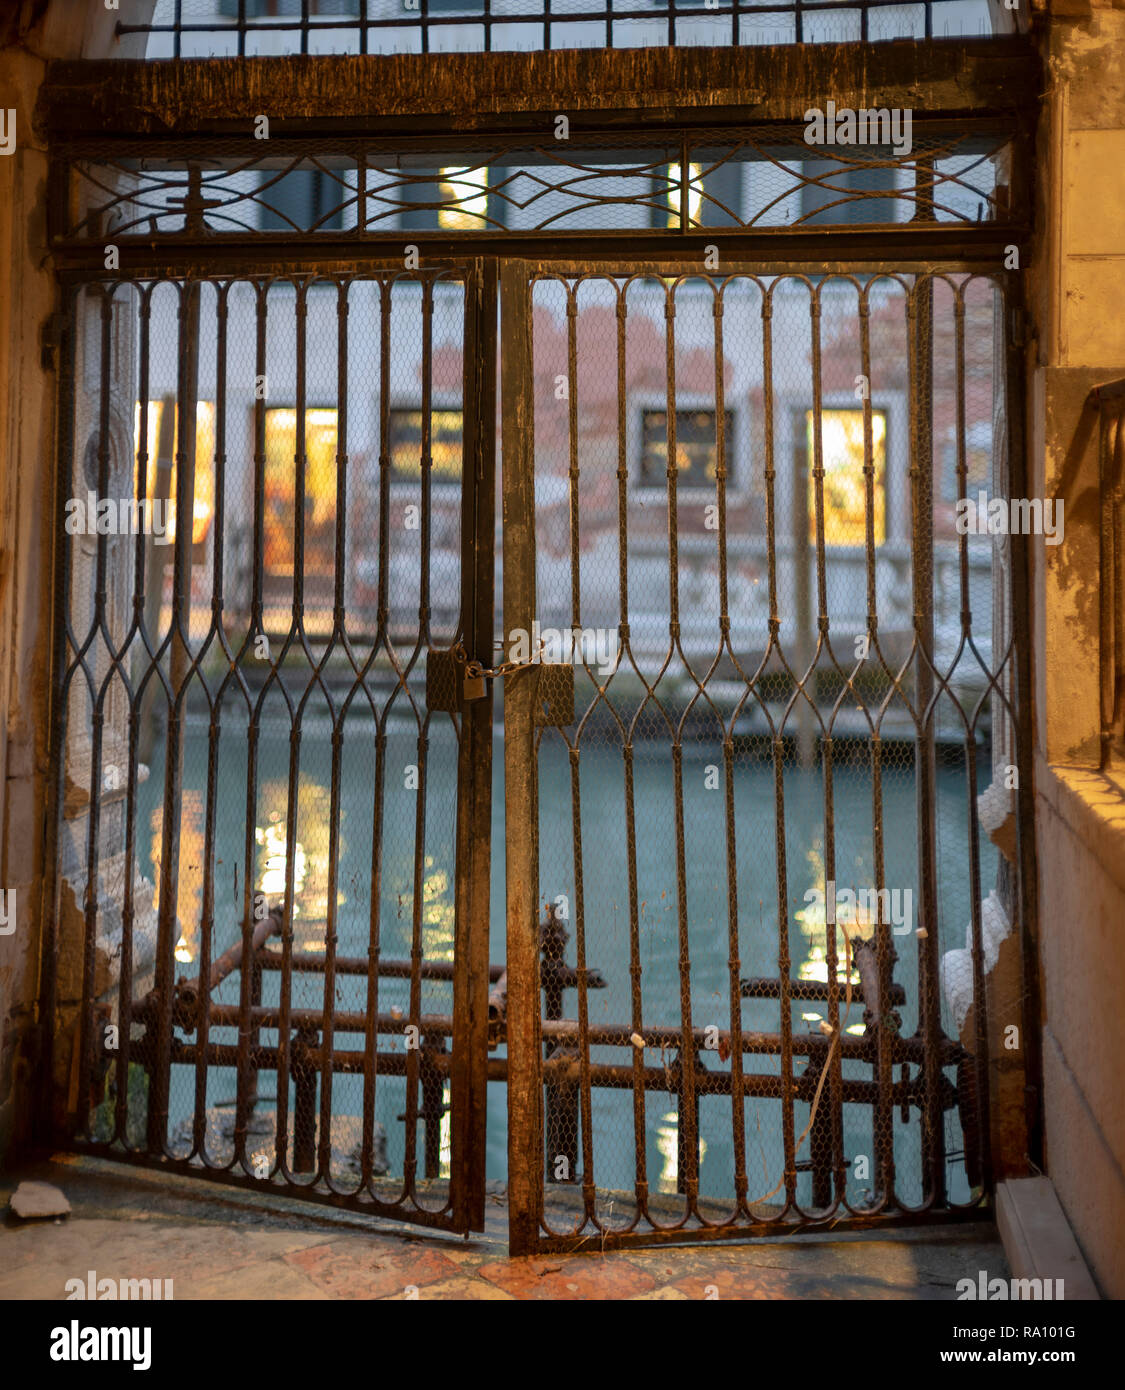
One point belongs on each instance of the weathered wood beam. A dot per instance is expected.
(596, 88)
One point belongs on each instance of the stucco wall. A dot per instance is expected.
(1079, 325)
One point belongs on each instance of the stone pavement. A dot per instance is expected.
(217, 1242)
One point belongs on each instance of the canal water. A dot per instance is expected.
(605, 904)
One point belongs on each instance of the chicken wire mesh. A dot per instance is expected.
(793, 676)
(756, 179)
(259, 810)
(769, 834)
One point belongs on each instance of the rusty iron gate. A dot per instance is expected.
(769, 725)
(272, 659)
(761, 695)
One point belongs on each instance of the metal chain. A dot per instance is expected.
(474, 669)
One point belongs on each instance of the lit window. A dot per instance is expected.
(695, 193)
(319, 499)
(405, 445)
(203, 507)
(845, 489)
(468, 188)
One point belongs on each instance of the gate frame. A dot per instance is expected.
(966, 82)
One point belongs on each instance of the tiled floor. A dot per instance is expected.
(220, 1243)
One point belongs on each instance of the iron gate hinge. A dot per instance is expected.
(51, 332)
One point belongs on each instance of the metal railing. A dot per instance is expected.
(185, 28)
(1109, 400)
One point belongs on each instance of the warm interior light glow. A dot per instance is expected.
(845, 488)
(203, 503)
(469, 188)
(695, 193)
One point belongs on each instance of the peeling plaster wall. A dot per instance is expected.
(26, 299)
(1078, 309)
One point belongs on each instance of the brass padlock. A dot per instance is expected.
(473, 686)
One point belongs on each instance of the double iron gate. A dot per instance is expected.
(756, 693)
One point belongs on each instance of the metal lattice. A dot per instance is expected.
(728, 181)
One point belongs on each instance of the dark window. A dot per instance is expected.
(405, 439)
(697, 450)
(838, 182)
(300, 199)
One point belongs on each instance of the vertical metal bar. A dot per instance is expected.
(784, 967)
(806, 650)
(640, 1138)
(737, 1091)
(432, 1083)
(826, 1137)
(525, 1124)
(304, 1099)
(688, 1123)
(882, 1114)
(983, 1158)
(788, 1133)
(410, 1162)
(187, 391)
(584, 1091)
(324, 1160)
(382, 638)
(217, 635)
(98, 625)
(244, 1065)
(685, 187)
(920, 375)
(128, 906)
(469, 1063)
(561, 1102)
(584, 1097)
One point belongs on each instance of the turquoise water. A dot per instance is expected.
(605, 905)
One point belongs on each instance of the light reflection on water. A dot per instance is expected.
(606, 910)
